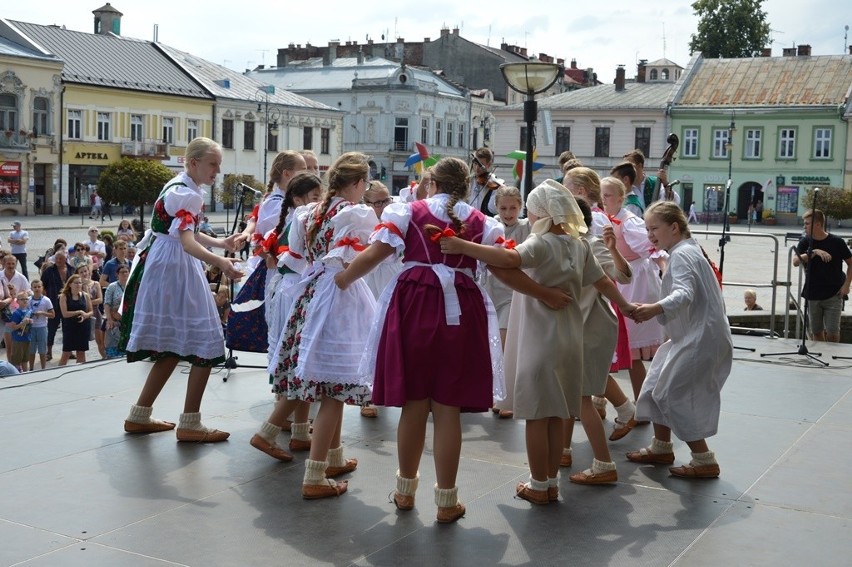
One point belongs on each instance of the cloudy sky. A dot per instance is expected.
(248, 33)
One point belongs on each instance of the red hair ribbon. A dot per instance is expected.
(267, 244)
(353, 242)
(613, 220)
(507, 244)
(186, 218)
(446, 233)
(391, 227)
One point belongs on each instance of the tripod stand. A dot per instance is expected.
(803, 349)
(231, 361)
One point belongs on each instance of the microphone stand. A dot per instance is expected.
(803, 349)
(231, 362)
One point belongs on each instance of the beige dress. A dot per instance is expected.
(544, 348)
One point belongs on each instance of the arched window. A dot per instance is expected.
(653, 74)
(8, 112)
(665, 74)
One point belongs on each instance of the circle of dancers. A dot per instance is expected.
(434, 306)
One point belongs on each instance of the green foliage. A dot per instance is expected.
(231, 190)
(730, 28)
(835, 202)
(131, 181)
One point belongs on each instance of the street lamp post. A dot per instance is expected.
(269, 128)
(530, 78)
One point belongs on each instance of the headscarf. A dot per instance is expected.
(553, 204)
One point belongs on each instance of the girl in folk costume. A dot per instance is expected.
(286, 269)
(509, 203)
(324, 337)
(548, 386)
(585, 183)
(600, 328)
(632, 241)
(169, 312)
(378, 197)
(245, 323)
(682, 392)
(435, 345)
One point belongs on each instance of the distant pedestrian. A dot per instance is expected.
(693, 217)
(18, 241)
(97, 206)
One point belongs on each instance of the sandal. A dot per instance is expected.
(369, 411)
(349, 466)
(588, 477)
(328, 489)
(622, 429)
(526, 492)
(403, 501)
(450, 514)
(696, 471)
(271, 449)
(644, 455)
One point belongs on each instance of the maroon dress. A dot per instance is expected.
(419, 355)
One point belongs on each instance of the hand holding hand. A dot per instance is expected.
(229, 268)
(234, 242)
(645, 312)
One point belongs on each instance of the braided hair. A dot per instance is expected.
(348, 169)
(451, 177)
(300, 185)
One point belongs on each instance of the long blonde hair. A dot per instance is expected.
(451, 176)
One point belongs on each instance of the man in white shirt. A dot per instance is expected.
(96, 247)
(18, 241)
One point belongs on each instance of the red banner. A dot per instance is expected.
(10, 169)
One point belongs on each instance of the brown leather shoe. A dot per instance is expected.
(351, 465)
(369, 411)
(566, 460)
(625, 428)
(205, 436)
(696, 471)
(646, 456)
(300, 444)
(450, 514)
(326, 490)
(505, 414)
(588, 477)
(152, 427)
(272, 449)
(403, 501)
(552, 493)
(525, 491)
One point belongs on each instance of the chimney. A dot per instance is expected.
(560, 61)
(766, 52)
(445, 32)
(524, 51)
(107, 20)
(789, 52)
(804, 51)
(619, 78)
(455, 31)
(427, 39)
(573, 63)
(640, 70)
(360, 57)
(330, 54)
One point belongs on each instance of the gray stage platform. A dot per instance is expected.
(75, 490)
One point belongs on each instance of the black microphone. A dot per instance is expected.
(247, 188)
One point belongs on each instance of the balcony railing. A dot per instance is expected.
(13, 139)
(147, 149)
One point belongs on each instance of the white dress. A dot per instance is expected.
(174, 311)
(633, 243)
(685, 379)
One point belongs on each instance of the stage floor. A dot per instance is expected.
(76, 490)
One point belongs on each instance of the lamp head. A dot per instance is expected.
(530, 77)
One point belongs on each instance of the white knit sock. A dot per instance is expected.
(446, 497)
(140, 414)
(566, 451)
(708, 458)
(660, 447)
(269, 431)
(314, 472)
(599, 402)
(625, 412)
(191, 421)
(335, 457)
(602, 466)
(300, 431)
(407, 486)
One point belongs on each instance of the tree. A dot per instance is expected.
(730, 28)
(835, 202)
(231, 189)
(131, 181)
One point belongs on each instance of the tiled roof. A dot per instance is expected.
(215, 77)
(9, 47)
(635, 96)
(112, 61)
(791, 81)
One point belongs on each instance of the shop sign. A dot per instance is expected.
(810, 180)
(10, 169)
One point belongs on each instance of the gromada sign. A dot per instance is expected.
(810, 180)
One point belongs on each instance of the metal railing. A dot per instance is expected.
(773, 283)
